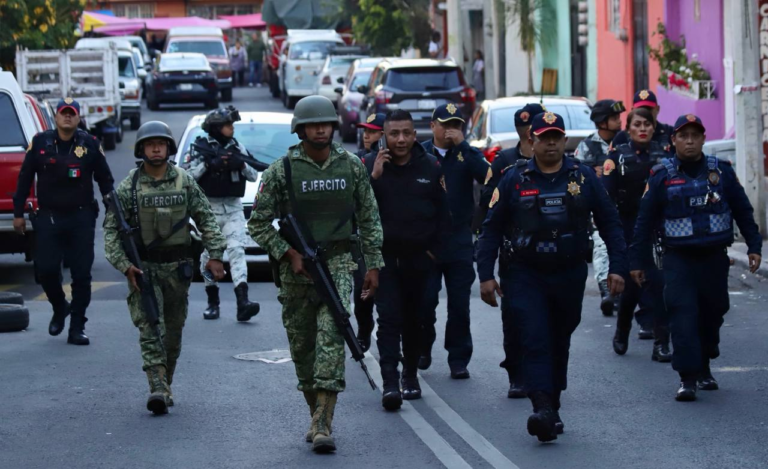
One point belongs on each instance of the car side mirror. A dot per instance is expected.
(340, 80)
(338, 90)
(363, 89)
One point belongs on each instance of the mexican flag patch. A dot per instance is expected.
(74, 172)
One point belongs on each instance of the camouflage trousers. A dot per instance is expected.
(232, 226)
(317, 346)
(172, 292)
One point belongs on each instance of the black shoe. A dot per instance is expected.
(687, 392)
(460, 372)
(364, 337)
(212, 312)
(425, 361)
(708, 384)
(542, 423)
(59, 319)
(411, 387)
(621, 342)
(661, 353)
(559, 425)
(245, 309)
(78, 337)
(606, 302)
(392, 400)
(516, 391)
(645, 334)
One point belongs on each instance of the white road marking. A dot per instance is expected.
(739, 369)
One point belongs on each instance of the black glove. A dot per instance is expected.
(217, 164)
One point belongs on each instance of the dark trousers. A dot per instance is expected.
(402, 283)
(696, 296)
(512, 346)
(238, 78)
(459, 276)
(546, 307)
(651, 301)
(66, 236)
(363, 308)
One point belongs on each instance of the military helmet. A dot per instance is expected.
(313, 110)
(604, 109)
(154, 129)
(219, 117)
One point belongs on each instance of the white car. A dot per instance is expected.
(492, 126)
(332, 75)
(302, 56)
(267, 135)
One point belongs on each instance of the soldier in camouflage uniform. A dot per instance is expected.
(332, 192)
(166, 197)
(223, 181)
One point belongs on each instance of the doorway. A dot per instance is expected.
(640, 43)
(578, 56)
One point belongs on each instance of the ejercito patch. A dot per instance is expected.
(167, 199)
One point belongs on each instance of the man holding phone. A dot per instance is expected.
(373, 130)
(409, 189)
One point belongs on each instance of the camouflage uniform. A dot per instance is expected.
(317, 347)
(170, 284)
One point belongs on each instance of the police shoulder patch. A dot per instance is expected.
(608, 167)
(494, 198)
(488, 176)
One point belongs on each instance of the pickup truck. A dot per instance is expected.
(88, 75)
(15, 137)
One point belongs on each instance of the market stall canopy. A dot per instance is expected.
(124, 26)
(93, 19)
(245, 21)
(305, 14)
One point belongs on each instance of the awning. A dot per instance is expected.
(123, 26)
(91, 19)
(245, 21)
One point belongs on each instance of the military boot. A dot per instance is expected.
(410, 383)
(621, 341)
(311, 398)
(516, 390)
(606, 300)
(364, 331)
(391, 398)
(559, 425)
(661, 352)
(706, 381)
(158, 389)
(212, 312)
(60, 313)
(245, 309)
(77, 329)
(542, 423)
(171, 369)
(687, 391)
(322, 441)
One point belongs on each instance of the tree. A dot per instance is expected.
(390, 26)
(532, 18)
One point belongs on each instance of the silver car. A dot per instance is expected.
(267, 135)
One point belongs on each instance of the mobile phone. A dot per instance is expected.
(383, 143)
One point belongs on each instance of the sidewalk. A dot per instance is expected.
(738, 252)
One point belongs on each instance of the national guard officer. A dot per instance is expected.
(65, 161)
(505, 160)
(625, 174)
(373, 129)
(462, 164)
(663, 133)
(158, 200)
(593, 151)
(332, 193)
(694, 199)
(223, 181)
(540, 215)
(408, 185)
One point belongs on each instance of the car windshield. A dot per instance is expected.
(576, 117)
(126, 67)
(137, 58)
(423, 79)
(266, 142)
(183, 63)
(11, 134)
(340, 62)
(301, 50)
(207, 48)
(360, 79)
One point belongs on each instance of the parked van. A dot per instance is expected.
(209, 42)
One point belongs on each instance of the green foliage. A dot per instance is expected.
(676, 67)
(388, 26)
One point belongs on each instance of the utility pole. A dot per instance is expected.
(749, 125)
(455, 32)
(489, 44)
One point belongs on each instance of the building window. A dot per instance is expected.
(137, 10)
(614, 16)
(214, 11)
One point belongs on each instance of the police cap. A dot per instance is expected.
(447, 112)
(547, 121)
(374, 121)
(68, 103)
(525, 114)
(688, 119)
(645, 98)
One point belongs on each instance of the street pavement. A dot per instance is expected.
(65, 406)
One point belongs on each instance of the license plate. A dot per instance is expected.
(427, 104)
(185, 86)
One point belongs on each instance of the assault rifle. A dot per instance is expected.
(318, 269)
(148, 299)
(231, 155)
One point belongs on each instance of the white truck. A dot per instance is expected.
(89, 76)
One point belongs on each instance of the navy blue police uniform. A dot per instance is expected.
(625, 175)
(541, 224)
(462, 165)
(66, 218)
(662, 134)
(693, 204)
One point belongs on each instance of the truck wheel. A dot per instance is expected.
(11, 298)
(119, 134)
(13, 318)
(226, 95)
(109, 141)
(135, 122)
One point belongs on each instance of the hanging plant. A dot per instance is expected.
(677, 70)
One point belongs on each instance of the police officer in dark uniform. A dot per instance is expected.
(505, 160)
(540, 217)
(407, 183)
(373, 129)
(694, 199)
(65, 161)
(625, 174)
(462, 164)
(663, 133)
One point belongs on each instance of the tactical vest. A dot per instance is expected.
(596, 155)
(223, 183)
(632, 175)
(696, 212)
(325, 198)
(162, 214)
(552, 224)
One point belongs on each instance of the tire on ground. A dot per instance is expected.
(11, 298)
(13, 318)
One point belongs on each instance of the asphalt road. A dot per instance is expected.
(65, 406)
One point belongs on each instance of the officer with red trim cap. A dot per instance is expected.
(693, 199)
(663, 132)
(373, 129)
(539, 219)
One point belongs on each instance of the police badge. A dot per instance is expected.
(644, 94)
(68, 100)
(574, 188)
(451, 108)
(80, 151)
(550, 118)
(714, 178)
(460, 157)
(371, 118)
